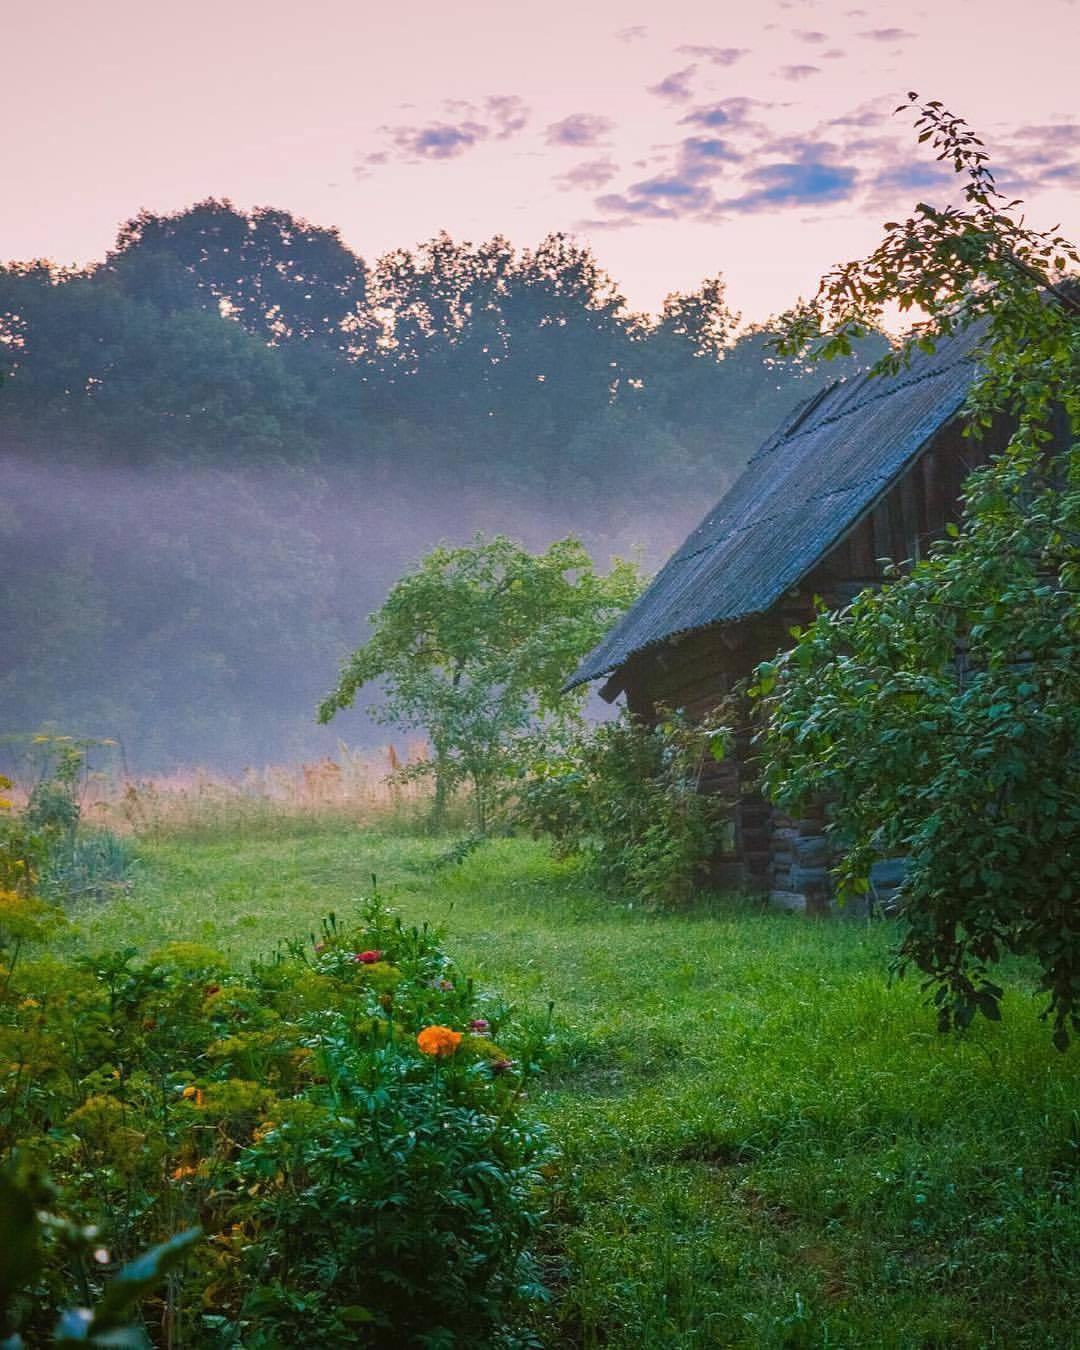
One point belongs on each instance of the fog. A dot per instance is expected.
(197, 615)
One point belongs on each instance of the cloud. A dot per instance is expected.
(662, 198)
(796, 73)
(498, 117)
(834, 53)
(911, 177)
(705, 157)
(509, 113)
(806, 183)
(438, 140)
(579, 129)
(865, 115)
(1061, 134)
(733, 113)
(682, 190)
(676, 87)
(719, 56)
(1067, 174)
(591, 174)
(811, 35)
(1037, 156)
(884, 34)
(632, 34)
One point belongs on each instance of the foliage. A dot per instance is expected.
(356, 1184)
(626, 797)
(941, 716)
(761, 1144)
(44, 845)
(25, 1224)
(473, 646)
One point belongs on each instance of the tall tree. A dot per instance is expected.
(280, 277)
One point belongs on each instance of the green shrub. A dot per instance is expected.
(626, 797)
(43, 847)
(342, 1120)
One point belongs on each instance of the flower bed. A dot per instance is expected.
(342, 1120)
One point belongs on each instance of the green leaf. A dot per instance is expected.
(138, 1278)
(20, 1243)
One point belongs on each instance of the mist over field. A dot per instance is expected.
(198, 615)
(221, 446)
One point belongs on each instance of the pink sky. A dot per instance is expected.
(681, 139)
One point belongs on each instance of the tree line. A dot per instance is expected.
(221, 443)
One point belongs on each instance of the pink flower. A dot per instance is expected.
(444, 985)
(480, 1024)
(499, 1066)
(320, 947)
(367, 958)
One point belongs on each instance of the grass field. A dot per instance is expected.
(762, 1144)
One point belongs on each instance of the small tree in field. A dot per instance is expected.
(971, 769)
(472, 647)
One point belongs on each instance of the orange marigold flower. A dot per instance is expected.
(182, 1172)
(439, 1041)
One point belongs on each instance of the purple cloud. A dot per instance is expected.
(808, 183)
(728, 112)
(676, 87)
(884, 34)
(579, 129)
(811, 35)
(665, 197)
(719, 56)
(632, 34)
(509, 113)
(590, 175)
(705, 157)
(499, 117)
(438, 140)
(912, 177)
(796, 73)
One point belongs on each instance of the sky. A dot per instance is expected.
(681, 140)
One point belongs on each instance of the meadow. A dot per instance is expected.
(760, 1141)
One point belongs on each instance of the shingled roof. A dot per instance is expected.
(811, 481)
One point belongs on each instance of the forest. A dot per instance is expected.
(221, 444)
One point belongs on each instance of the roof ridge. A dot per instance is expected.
(894, 386)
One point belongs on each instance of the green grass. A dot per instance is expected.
(762, 1143)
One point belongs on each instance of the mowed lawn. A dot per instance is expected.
(762, 1143)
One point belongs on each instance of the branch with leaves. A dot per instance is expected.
(970, 768)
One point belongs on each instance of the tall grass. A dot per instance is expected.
(357, 787)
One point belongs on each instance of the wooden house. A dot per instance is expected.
(867, 470)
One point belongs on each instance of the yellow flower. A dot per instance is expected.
(439, 1041)
(192, 1092)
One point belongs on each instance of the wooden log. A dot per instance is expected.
(817, 877)
(811, 850)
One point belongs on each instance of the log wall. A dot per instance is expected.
(698, 670)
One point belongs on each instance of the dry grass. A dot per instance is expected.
(358, 787)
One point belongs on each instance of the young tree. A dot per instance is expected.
(473, 645)
(971, 766)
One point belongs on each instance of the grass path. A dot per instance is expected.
(762, 1144)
